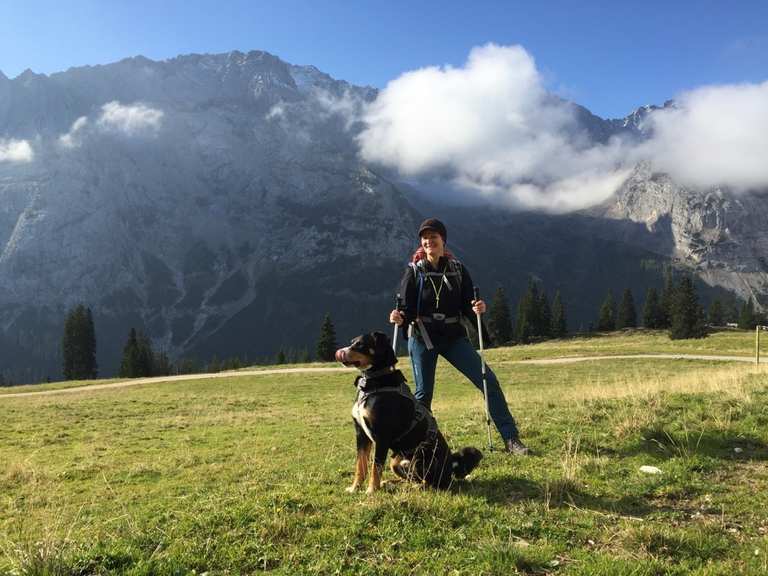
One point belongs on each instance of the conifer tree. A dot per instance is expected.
(522, 324)
(146, 356)
(606, 320)
(326, 344)
(544, 314)
(732, 311)
(533, 311)
(91, 368)
(666, 301)
(162, 365)
(687, 313)
(716, 314)
(138, 357)
(627, 316)
(78, 345)
(559, 319)
(747, 320)
(652, 310)
(527, 314)
(281, 358)
(129, 366)
(499, 321)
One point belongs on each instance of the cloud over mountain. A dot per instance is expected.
(129, 119)
(15, 150)
(714, 135)
(492, 129)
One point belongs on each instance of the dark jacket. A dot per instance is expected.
(455, 298)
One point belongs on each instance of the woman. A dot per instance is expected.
(437, 292)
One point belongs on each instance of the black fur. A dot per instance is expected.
(397, 423)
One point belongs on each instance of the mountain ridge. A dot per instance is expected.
(219, 203)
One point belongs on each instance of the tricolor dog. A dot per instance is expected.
(388, 417)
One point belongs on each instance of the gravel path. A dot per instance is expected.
(565, 360)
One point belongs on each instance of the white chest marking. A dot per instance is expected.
(359, 416)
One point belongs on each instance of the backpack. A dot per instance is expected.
(453, 269)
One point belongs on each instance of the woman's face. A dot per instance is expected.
(432, 243)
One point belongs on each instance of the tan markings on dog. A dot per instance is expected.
(375, 481)
(361, 468)
(394, 462)
(394, 465)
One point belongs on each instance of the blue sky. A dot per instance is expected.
(610, 56)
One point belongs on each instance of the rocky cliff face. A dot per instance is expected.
(182, 196)
(219, 204)
(721, 235)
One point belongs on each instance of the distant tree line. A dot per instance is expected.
(537, 318)
(675, 308)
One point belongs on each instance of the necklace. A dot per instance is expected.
(437, 290)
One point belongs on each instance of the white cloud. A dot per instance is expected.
(492, 128)
(129, 119)
(71, 139)
(348, 106)
(15, 150)
(276, 112)
(715, 135)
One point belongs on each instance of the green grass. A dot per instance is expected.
(247, 474)
(727, 343)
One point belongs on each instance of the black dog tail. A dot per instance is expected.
(464, 461)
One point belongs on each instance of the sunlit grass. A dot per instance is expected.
(247, 473)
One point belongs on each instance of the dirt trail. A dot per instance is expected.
(567, 359)
(182, 377)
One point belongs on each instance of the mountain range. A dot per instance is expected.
(219, 203)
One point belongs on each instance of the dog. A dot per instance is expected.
(388, 417)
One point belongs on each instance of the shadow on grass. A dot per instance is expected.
(663, 444)
(508, 490)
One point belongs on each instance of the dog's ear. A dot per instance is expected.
(381, 339)
(384, 349)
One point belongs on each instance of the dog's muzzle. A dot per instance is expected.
(342, 355)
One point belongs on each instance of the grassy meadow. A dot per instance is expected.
(245, 474)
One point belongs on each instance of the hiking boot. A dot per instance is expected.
(516, 447)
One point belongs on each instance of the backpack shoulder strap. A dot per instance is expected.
(418, 273)
(456, 268)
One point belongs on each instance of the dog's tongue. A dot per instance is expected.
(341, 356)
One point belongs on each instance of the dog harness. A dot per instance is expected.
(398, 386)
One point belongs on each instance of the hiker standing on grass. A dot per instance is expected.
(437, 292)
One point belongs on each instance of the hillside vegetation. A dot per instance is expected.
(244, 474)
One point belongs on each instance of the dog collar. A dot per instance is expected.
(376, 373)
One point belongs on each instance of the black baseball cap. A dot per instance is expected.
(435, 225)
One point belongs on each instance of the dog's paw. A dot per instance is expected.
(351, 489)
(390, 485)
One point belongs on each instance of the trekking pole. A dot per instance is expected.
(482, 364)
(398, 307)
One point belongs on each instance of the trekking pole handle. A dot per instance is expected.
(398, 307)
(476, 292)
